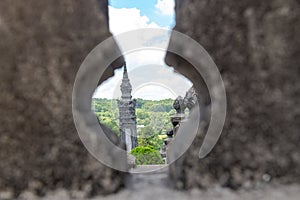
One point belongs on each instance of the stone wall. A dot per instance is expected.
(256, 47)
(42, 46)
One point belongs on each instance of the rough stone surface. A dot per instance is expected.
(256, 47)
(156, 186)
(42, 46)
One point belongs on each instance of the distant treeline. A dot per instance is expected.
(153, 116)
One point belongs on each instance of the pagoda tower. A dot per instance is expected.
(127, 117)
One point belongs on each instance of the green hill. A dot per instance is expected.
(153, 118)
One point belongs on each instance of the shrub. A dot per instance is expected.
(146, 155)
(147, 137)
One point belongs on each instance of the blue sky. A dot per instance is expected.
(148, 8)
(146, 68)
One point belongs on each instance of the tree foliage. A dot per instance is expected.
(146, 155)
(153, 118)
(147, 137)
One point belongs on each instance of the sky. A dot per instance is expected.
(149, 76)
(160, 12)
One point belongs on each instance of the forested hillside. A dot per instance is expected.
(153, 118)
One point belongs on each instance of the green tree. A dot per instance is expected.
(147, 137)
(154, 115)
(146, 155)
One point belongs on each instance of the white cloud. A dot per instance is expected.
(153, 92)
(152, 81)
(145, 57)
(126, 19)
(165, 7)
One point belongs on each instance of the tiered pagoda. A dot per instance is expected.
(127, 117)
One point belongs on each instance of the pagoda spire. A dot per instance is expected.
(125, 68)
(125, 74)
(126, 87)
(127, 117)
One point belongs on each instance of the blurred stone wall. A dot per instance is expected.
(256, 47)
(42, 46)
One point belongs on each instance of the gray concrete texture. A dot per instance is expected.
(255, 45)
(42, 46)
